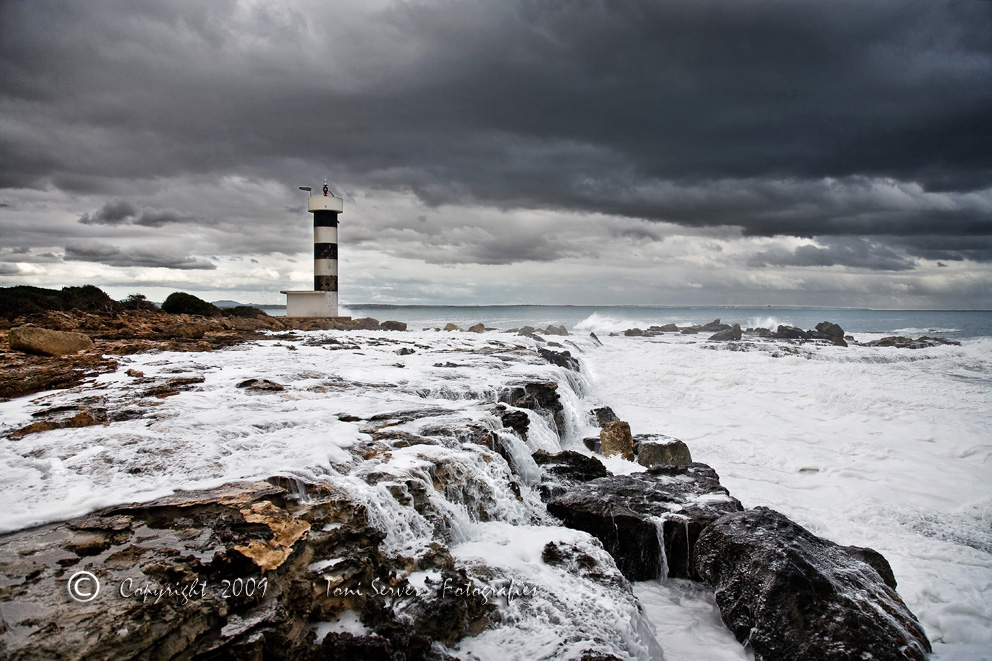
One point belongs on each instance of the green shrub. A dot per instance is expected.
(243, 311)
(182, 303)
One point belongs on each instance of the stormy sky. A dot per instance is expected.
(522, 151)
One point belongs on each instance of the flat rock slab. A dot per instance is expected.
(788, 594)
(33, 339)
(630, 514)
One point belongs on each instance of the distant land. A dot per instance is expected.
(234, 304)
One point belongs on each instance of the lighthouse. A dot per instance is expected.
(323, 300)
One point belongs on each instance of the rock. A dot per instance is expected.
(900, 342)
(615, 438)
(732, 333)
(625, 512)
(393, 326)
(559, 358)
(593, 336)
(603, 415)
(526, 330)
(556, 330)
(539, 396)
(791, 333)
(452, 327)
(593, 443)
(366, 323)
(32, 339)
(788, 594)
(559, 472)
(669, 328)
(655, 450)
(478, 328)
(692, 330)
(831, 329)
(62, 419)
(634, 332)
(736, 332)
(518, 421)
(714, 325)
(260, 384)
(405, 351)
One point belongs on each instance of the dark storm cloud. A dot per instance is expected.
(121, 212)
(103, 253)
(851, 252)
(9, 269)
(701, 113)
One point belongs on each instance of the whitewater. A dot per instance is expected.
(876, 447)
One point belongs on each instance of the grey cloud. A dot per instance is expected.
(851, 252)
(122, 212)
(103, 253)
(9, 269)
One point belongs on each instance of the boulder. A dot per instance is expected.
(366, 323)
(633, 332)
(593, 443)
(539, 396)
(715, 325)
(630, 513)
(452, 327)
(831, 329)
(393, 326)
(692, 330)
(518, 421)
(658, 450)
(405, 351)
(31, 339)
(561, 471)
(615, 438)
(527, 330)
(788, 594)
(263, 385)
(559, 358)
(669, 328)
(603, 415)
(791, 333)
(478, 328)
(733, 333)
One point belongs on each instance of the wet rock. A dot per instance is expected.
(634, 332)
(669, 328)
(831, 329)
(452, 327)
(789, 594)
(715, 325)
(625, 513)
(593, 443)
(556, 330)
(559, 358)
(539, 396)
(32, 339)
(263, 385)
(478, 328)
(526, 330)
(692, 330)
(900, 342)
(731, 334)
(603, 415)
(615, 439)
(593, 336)
(518, 421)
(656, 449)
(562, 470)
(69, 418)
(405, 351)
(393, 326)
(791, 333)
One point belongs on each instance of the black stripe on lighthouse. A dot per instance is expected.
(325, 283)
(324, 218)
(325, 251)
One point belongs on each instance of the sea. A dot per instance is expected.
(878, 447)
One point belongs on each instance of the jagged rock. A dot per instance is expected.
(393, 326)
(831, 329)
(733, 333)
(761, 332)
(625, 511)
(791, 333)
(562, 470)
(556, 330)
(603, 415)
(559, 358)
(526, 330)
(32, 339)
(191, 330)
(715, 325)
(788, 594)
(634, 332)
(62, 418)
(260, 384)
(656, 449)
(669, 328)
(615, 438)
(518, 421)
(322, 556)
(593, 336)
(539, 396)
(900, 342)
(478, 328)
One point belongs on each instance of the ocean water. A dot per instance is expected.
(952, 324)
(880, 447)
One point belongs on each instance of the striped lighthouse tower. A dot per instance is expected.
(323, 300)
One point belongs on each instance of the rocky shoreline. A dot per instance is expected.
(337, 584)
